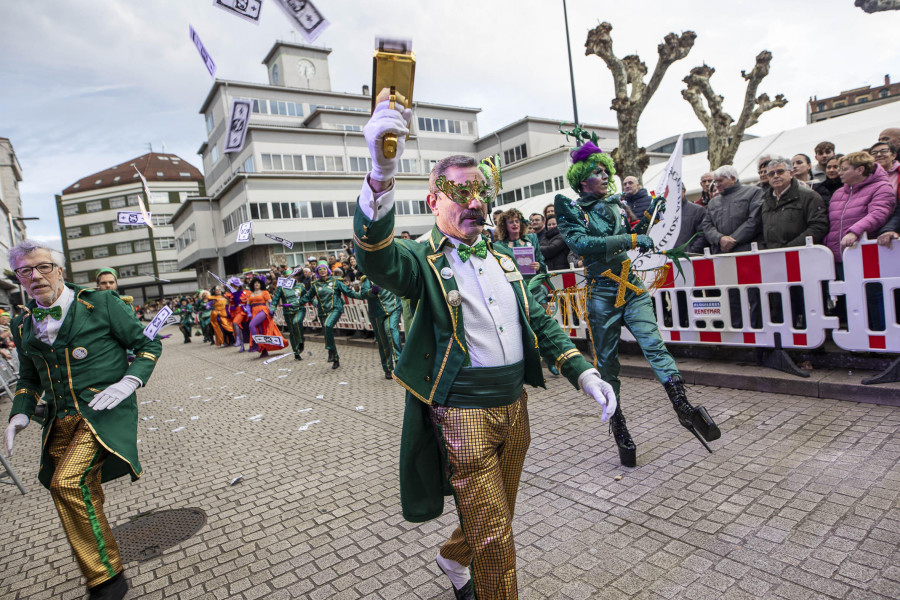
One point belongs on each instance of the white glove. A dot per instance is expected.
(114, 394)
(593, 385)
(386, 120)
(16, 424)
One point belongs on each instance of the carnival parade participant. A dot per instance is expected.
(294, 312)
(203, 308)
(186, 312)
(329, 292)
(261, 321)
(594, 227)
(237, 310)
(385, 311)
(108, 279)
(219, 320)
(478, 336)
(90, 426)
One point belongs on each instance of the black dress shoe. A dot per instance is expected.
(112, 589)
(331, 356)
(387, 375)
(298, 357)
(335, 364)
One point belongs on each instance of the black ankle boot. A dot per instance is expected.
(627, 449)
(331, 356)
(336, 364)
(694, 419)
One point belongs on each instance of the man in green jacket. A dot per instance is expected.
(294, 311)
(385, 311)
(71, 343)
(476, 337)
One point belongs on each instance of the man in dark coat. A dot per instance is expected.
(691, 220)
(636, 197)
(732, 218)
(554, 248)
(790, 212)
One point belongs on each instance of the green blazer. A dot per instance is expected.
(327, 293)
(87, 356)
(381, 304)
(291, 298)
(436, 346)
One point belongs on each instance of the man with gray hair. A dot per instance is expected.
(71, 343)
(732, 218)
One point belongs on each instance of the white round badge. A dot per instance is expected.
(507, 264)
(446, 273)
(79, 352)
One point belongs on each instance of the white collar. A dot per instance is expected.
(64, 300)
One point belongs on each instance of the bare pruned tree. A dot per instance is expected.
(873, 6)
(722, 131)
(629, 104)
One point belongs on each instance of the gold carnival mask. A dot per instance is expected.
(485, 191)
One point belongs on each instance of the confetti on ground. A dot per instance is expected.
(320, 397)
(223, 387)
(207, 399)
(170, 420)
(175, 407)
(177, 429)
(239, 397)
(343, 383)
(239, 373)
(618, 478)
(207, 388)
(274, 358)
(310, 364)
(360, 408)
(195, 397)
(139, 441)
(208, 378)
(304, 410)
(147, 418)
(153, 429)
(281, 377)
(194, 418)
(305, 427)
(146, 401)
(236, 479)
(255, 418)
(284, 369)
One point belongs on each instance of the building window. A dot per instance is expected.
(258, 210)
(73, 233)
(116, 227)
(209, 122)
(322, 209)
(884, 93)
(167, 266)
(142, 246)
(821, 106)
(360, 164)
(160, 220)
(117, 202)
(76, 255)
(275, 74)
(440, 125)
(187, 238)
(164, 243)
(324, 163)
(97, 229)
(93, 206)
(840, 104)
(345, 209)
(133, 199)
(514, 154)
(214, 154)
(123, 248)
(70, 209)
(81, 278)
(407, 165)
(100, 252)
(248, 166)
(862, 99)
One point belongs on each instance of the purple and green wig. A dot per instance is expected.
(321, 264)
(584, 160)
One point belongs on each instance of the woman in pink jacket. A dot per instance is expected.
(862, 205)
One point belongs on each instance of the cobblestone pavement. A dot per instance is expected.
(800, 499)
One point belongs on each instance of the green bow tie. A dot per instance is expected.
(54, 312)
(479, 250)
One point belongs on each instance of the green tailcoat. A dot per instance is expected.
(291, 298)
(381, 304)
(436, 347)
(98, 328)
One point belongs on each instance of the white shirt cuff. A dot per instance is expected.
(375, 205)
(584, 376)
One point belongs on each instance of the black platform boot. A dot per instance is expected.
(336, 364)
(694, 419)
(331, 356)
(627, 449)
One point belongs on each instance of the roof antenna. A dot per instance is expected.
(164, 147)
(150, 146)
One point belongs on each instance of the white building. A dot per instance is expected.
(12, 228)
(92, 238)
(304, 159)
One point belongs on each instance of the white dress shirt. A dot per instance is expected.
(47, 329)
(490, 310)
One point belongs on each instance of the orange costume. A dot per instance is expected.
(261, 321)
(219, 318)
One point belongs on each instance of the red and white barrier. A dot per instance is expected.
(867, 262)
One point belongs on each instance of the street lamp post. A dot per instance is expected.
(12, 242)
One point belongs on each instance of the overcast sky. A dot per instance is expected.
(87, 85)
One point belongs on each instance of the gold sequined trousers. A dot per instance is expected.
(484, 452)
(77, 461)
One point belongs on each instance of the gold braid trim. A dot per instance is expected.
(33, 393)
(566, 356)
(152, 357)
(633, 241)
(571, 300)
(374, 247)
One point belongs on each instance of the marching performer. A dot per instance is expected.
(329, 292)
(478, 336)
(72, 345)
(219, 320)
(385, 311)
(261, 321)
(186, 312)
(294, 312)
(595, 227)
(237, 310)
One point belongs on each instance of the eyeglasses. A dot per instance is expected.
(28, 272)
(778, 172)
(885, 152)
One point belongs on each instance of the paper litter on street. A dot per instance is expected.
(194, 418)
(239, 397)
(360, 408)
(170, 420)
(176, 430)
(195, 397)
(302, 410)
(236, 479)
(320, 397)
(255, 418)
(305, 427)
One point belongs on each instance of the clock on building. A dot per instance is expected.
(306, 68)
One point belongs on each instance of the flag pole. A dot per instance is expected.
(571, 71)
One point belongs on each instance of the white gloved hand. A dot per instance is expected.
(114, 394)
(386, 120)
(16, 424)
(593, 385)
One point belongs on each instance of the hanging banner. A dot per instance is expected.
(245, 9)
(220, 280)
(309, 21)
(280, 240)
(244, 232)
(127, 217)
(207, 59)
(237, 125)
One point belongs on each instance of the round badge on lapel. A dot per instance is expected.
(79, 352)
(454, 298)
(507, 264)
(446, 273)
